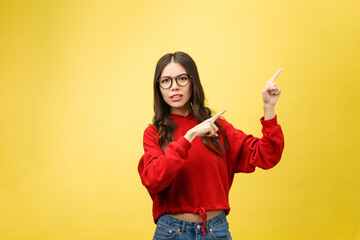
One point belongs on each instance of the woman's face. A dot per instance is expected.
(177, 97)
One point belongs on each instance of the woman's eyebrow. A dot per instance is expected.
(176, 76)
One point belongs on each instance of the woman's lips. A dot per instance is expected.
(176, 97)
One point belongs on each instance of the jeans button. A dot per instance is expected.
(198, 226)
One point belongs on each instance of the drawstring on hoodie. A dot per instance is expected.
(203, 214)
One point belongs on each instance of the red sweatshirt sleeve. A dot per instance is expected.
(247, 152)
(157, 168)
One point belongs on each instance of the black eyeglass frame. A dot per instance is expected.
(172, 80)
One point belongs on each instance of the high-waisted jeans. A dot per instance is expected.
(172, 228)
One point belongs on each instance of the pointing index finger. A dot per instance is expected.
(216, 116)
(276, 74)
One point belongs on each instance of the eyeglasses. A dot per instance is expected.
(182, 80)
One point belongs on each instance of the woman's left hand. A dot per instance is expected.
(271, 92)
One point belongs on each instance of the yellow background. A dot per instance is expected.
(76, 95)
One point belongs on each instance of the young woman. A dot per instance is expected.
(191, 157)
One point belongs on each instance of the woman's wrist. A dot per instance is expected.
(269, 111)
(189, 135)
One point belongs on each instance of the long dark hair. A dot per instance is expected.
(162, 121)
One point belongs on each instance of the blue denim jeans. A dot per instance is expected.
(172, 228)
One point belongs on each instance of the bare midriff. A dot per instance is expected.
(191, 217)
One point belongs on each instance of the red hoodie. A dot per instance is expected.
(188, 177)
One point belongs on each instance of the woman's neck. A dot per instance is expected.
(183, 111)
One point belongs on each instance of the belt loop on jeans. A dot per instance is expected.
(183, 227)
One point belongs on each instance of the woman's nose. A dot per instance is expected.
(174, 85)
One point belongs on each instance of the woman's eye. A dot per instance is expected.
(165, 80)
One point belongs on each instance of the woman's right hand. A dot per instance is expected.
(206, 128)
